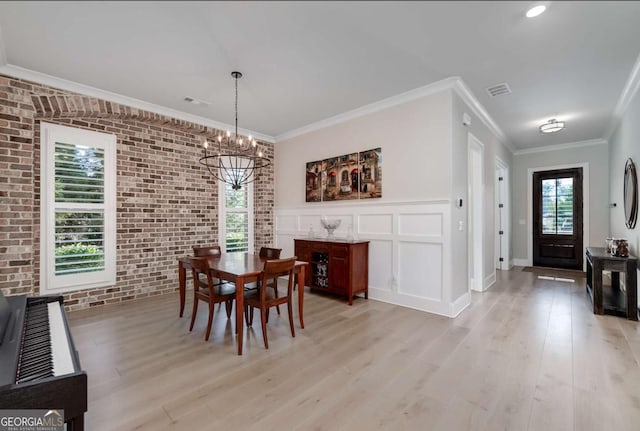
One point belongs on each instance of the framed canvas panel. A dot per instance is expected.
(314, 181)
(330, 182)
(342, 178)
(370, 178)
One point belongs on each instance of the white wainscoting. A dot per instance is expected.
(409, 250)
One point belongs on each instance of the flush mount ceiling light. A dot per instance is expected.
(232, 159)
(536, 10)
(552, 126)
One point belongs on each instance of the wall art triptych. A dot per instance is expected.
(347, 177)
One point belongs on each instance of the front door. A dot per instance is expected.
(557, 218)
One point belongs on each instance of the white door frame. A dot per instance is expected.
(475, 214)
(502, 196)
(585, 207)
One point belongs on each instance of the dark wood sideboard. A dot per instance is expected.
(340, 267)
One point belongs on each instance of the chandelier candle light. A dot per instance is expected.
(235, 161)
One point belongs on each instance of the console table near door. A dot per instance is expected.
(614, 301)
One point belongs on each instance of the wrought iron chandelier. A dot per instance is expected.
(235, 161)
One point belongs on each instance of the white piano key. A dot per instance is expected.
(62, 363)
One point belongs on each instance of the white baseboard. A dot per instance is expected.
(489, 281)
(460, 304)
(520, 262)
(417, 303)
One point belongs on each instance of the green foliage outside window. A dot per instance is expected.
(79, 256)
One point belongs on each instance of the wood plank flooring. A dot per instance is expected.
(527, 355)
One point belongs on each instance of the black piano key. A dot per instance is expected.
(36, 360)
(42, 369)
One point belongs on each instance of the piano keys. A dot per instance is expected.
(39, 365)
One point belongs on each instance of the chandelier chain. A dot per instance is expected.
(236, 76)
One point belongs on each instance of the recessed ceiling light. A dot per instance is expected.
(536, 10)
(552, 126)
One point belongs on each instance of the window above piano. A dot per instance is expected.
(78, 195)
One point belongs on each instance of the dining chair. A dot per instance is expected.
(208, 291)
(212, 250)
(271, 253)
(263, 298)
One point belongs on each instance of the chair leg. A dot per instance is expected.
(194, 312)
(211, 308)
(275, 292)
(229, 305)
(290, 311)
(263, 321)
(246, 315)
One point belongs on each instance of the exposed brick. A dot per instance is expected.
(166, 202)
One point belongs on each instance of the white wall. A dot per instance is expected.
(415, 140)
(492, 149)
(413, 227)
(409, 227)
(624, 143)
(596, 158)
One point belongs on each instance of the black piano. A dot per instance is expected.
(39, 365)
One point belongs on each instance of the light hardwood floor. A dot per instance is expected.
(527, 355)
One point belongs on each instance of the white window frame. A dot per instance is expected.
(222, 216)
(56, 284)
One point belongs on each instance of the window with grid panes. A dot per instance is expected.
(235, 218)
(78, 209)
(557, 206)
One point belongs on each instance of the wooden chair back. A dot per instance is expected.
(200, 265)
(270, 253)
(277, 268)
(213, 250)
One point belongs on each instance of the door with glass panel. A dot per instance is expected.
(557, 218)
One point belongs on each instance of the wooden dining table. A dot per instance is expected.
(240, 269)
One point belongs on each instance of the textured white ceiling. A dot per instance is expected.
(306, 61)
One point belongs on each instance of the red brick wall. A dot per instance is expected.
(166, 201)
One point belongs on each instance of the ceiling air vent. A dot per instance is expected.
(195, 101)
(499, 90)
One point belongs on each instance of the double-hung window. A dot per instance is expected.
(78, 209)
(235, 217)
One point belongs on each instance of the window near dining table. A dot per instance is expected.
(78, 214)
(236, 217)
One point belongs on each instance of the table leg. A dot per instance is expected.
(239, 310)
(182, 282)
(598, 306)
(589, 274)
(632, 291)
(301, 282)
(615, 280)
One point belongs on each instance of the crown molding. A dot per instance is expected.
(389, 102)
(628, 92)
(479, 110)
(75, 87)
(560, 147)
(454, 82)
